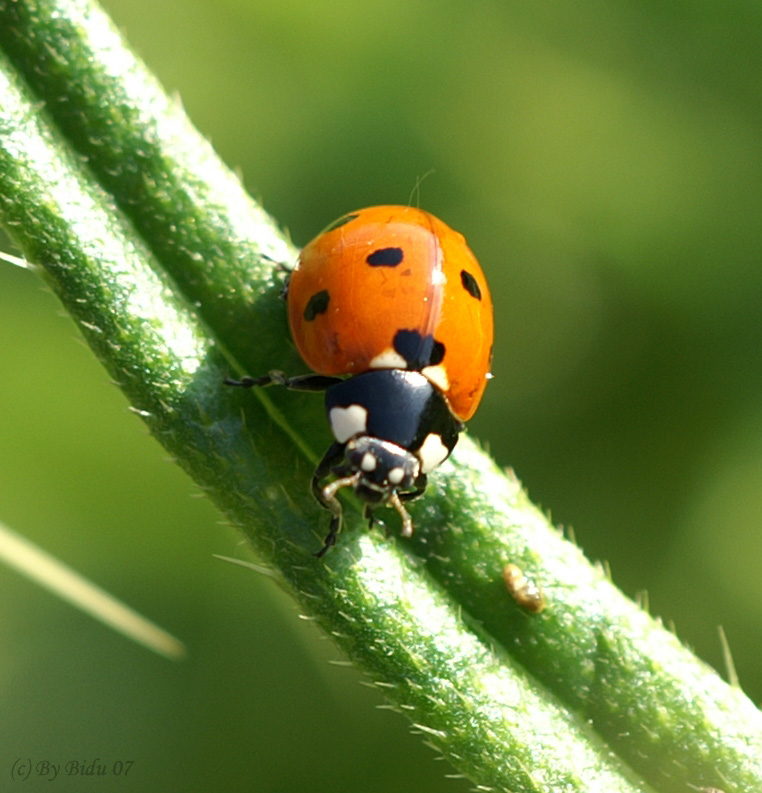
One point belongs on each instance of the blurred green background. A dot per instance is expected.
(604, 161)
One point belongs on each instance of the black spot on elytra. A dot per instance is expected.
(338, 223)
(385, 257)
(418, 351)
(470, 285)
(316, 305)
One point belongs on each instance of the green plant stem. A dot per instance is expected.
(158, 255)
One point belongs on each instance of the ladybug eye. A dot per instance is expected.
(385, 257)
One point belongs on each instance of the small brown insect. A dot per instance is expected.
(524, 591)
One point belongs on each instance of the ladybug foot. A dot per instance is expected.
(330, 538)
(373, 521)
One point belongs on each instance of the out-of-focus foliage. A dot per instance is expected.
(604, 162)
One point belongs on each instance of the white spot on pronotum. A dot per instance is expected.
(348, 422)
(396, 475)
(437, 375)
(368, 462)
(388, 359)
(432, 453)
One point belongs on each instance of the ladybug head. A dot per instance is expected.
(383, 468)
(377, 470)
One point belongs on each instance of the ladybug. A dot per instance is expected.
(391, 311)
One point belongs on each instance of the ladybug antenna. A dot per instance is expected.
(416, 191)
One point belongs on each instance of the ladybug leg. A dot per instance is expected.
(328, 499)
(370, 515)
(396, 500)
(332, 457)
(287, 281)
(311, 382)
(250, 382)
(420, 488)
(330, 538)
(407, 521)
(302, 382)
(283, 268)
